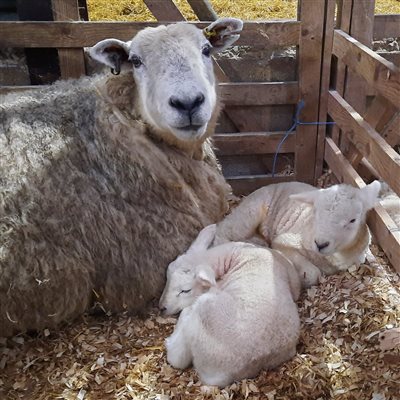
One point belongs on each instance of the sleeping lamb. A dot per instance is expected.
(317, 229)
(105, 180)
(238, 311)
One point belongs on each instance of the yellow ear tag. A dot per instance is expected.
(208, 34)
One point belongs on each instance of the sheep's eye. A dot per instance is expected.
(185, 291)
(206, 50)
(136, 61)
(352, 221)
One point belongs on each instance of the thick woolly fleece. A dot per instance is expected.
(93, 205)
(247, 322)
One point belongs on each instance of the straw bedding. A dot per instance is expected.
(349, 349)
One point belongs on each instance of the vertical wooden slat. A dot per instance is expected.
(310, 56)
(325, 80)
(203, 9)
(343, 22)
(164, 10)
(361, 28)
(72, 61)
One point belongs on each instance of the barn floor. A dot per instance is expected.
(349, 349)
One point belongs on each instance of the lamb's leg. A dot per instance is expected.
(308, 272)
(179, 354)
(243, 221)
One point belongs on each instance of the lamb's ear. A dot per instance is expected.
(205, 276)
(204, 239)
(223, 32)
(111, 52)
(305, 197)
(370, 194)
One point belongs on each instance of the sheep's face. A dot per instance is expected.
(339, 213)
(173, 71)
(184, 285)
(189, 276)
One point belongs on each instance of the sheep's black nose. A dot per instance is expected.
(163, 309)
(321, 246)
(187, 104)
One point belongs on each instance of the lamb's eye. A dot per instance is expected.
(352, 221)
(185, 291)
(206, 50)
(136, 60)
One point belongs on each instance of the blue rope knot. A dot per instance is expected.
(296, 122)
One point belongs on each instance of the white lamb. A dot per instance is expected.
(319, 230)
(239, 314)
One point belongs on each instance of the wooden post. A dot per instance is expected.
(343, 22)
(164, 10)
(312, 15)
(325, 81)
(72, 61)
(361, 28)
(203, 9)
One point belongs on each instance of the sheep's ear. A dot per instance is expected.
(370, 194)
(111, 52)
(305, 197)
(204, 239)
(223, 32)
(205, 276)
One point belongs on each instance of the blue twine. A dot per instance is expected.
(299, 107)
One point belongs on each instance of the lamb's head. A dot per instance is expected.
(189, 275)
(339, 214)
(174, 74)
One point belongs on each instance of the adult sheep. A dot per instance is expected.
(319, 230)
(105, 180)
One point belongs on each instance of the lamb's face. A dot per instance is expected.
(339, 213)
(173, 72)
(185, 283)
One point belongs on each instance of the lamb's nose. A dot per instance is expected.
(187, 104)
(321, 246)
(163, 309)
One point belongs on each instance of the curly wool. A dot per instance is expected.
(92, 201)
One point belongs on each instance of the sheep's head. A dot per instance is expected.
(339, 214)
(173, 72)
(189, 276)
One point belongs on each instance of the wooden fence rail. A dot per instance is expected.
(367, 145)
(85, 34)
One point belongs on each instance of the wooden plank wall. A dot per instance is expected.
(365, 149)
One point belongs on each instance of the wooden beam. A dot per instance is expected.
(386, 26)
(391, 133)
(86, 34)
(259, 93)
(310, 58)
(382, 226)
(325, 81)
(203, 10)
(72, 61)
(164, 10)
(383, 75)
(379, 113)
(367, 141)
(343, 22)
(252, 143)
(362, 21)
(246, 184)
